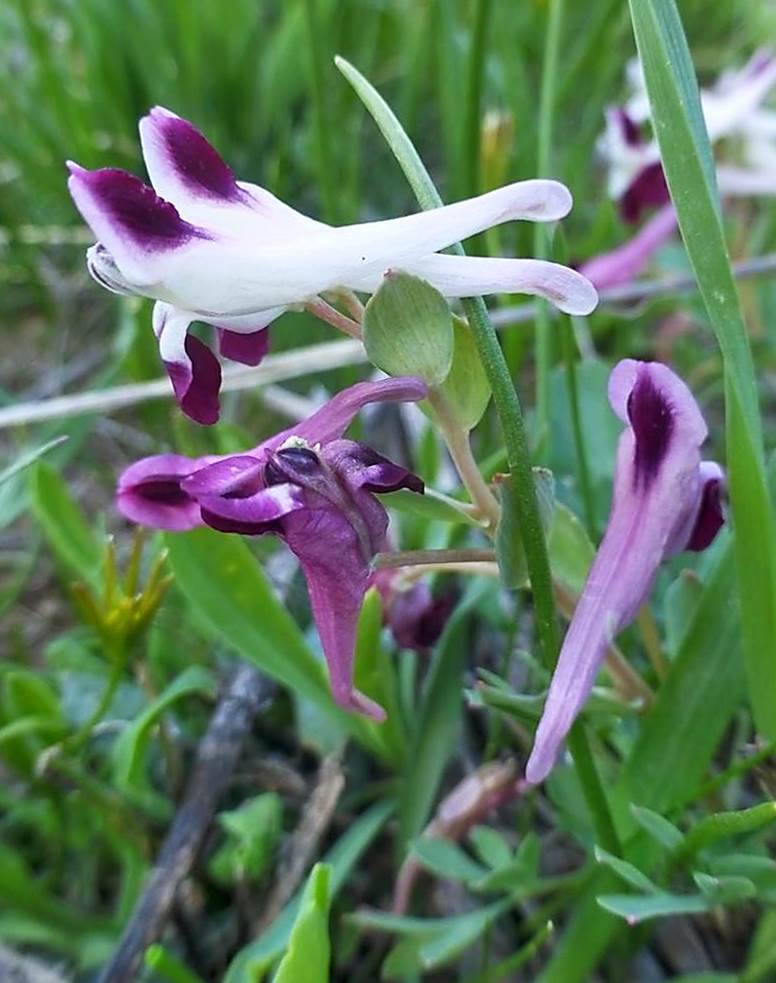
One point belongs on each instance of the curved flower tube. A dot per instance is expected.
(227, 253)
(666, 500)
(732, 110)
(307, 485)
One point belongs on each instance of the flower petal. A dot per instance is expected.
(711, 514)
(193, 369)
(239, 476)
(657, 500)
(130, 220)
(248, 349)
(648, 189)
(470, 276)
(186, 169)
(363, 468)
(150, 492)
(254, 515)
(345, 255)
(337, 575)
(626, 262)
(332, 420)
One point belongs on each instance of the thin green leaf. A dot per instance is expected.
(309, 950)
(689, 169)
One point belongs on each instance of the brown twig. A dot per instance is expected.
(217, 757)
(306, 837)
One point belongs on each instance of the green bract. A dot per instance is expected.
(408, 329)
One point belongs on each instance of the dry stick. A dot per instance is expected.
(216, 759)
(328, 355)
(304, 841)
(274, 368)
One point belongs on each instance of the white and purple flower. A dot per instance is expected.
(666, 500)
(733, 112)
(742, 131)
(213, 249)
(307, 485)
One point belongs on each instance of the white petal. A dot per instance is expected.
(468, 276)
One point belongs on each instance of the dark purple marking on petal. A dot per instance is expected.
(194, 159)
(630, 129)
(648, 189)
(149, 221)
(165, 490)
(364, 468)
(652, 420)
(223, 524)
(711, 516)
(247, 349)
(291, 464)
(196, 386)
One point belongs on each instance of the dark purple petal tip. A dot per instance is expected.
(115, 198)
(651, 417)
(195, 162)
(647, 190)
(711, 512)
(196, 385)
(247, 349)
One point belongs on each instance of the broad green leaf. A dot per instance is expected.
(659, 828)
(64, 525)
(309, 951)
(232, 596)
(128, 749)
(626, 872)
(721, 825)
(490, 846)
(689, 169)
(639, 908)
(408, 329)
(571, 551)
(252, 832)
(168, 967)
(438, 720)
(724, 890)
(254, 959)
(430, 506)
(437, 941)
(445, 859)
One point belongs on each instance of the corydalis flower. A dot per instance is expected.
(665, 500)
(210, 248)
(307, 485)
(733, 112)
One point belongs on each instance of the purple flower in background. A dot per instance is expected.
(665, 500)
(210, 248)
(733, 112)
(414, 614)
(309, 486)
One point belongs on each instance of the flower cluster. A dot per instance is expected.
(212, 249)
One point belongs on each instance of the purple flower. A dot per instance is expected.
(665, 500)
(733, 112)
(415, 616)
(309, 486)
(210, 248)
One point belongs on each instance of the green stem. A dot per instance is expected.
(318, 101)
(576, 426)
(472, 124)
(593, 790)
(457, 440)
(543, 328)
(515, 441)
(118, 664)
